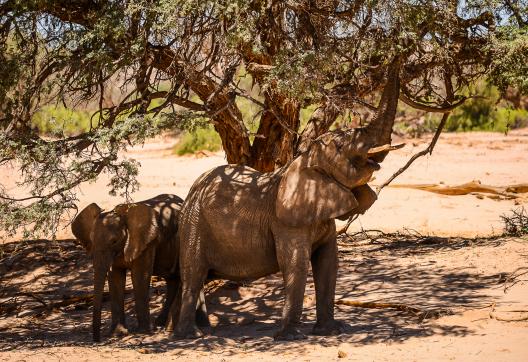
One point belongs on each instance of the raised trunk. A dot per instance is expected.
(380, 128)
(101, 268)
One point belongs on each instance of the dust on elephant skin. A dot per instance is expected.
(238, 223)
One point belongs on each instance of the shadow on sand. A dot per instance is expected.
(391, 268)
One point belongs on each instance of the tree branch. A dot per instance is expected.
(428, 150)
(423, 107)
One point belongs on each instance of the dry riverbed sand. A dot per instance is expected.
(444, 259)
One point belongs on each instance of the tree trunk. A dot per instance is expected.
(276, 136)
(227, 120)
(273, 146)
(319, 123)
(226, 116)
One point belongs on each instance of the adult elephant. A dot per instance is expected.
(238, 223)
(141, 237)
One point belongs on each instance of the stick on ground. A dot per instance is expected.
(423, 314)
(495, 316)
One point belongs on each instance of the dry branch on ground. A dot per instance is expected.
(474, 188)
(421, 313)
(17, 302)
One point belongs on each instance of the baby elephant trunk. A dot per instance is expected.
(101, 268)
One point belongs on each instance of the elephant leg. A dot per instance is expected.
(141, 283)
(293, 262)
(202, 319)
(172, 290)
(324, 267)
(175, 309)
(116, 284)
(192, 283)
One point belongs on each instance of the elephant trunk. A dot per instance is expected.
(379, 130)
(101, 268)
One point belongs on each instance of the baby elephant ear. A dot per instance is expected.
(143, 230)
(306, 196)
(82, 225)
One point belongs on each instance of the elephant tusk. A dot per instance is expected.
(384, 148)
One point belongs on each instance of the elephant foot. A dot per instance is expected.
(119, 330)
(142, 329)
(161, 321)
(169, 327)
(192, 332)
(329, 328)
(289, 333)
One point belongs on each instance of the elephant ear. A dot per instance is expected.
(142, 230)
(365, 197)
(82, 225)
(308, 195)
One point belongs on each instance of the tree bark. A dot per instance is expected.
(274, 143)
(226, 116)
(319, 123)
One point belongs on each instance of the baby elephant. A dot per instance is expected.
(141, 237)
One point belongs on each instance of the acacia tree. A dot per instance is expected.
(180, 63)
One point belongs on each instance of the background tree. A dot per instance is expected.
(181, 63)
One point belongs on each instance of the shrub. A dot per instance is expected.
(205, 138)
(59, 120)
(485, 113)
(516, 223)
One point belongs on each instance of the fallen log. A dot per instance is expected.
(473, 187)
(498, 317)
(493, 314)
(421, 313)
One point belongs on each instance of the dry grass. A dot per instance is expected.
(516, 223)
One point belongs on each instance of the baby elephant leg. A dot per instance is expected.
(117, 280)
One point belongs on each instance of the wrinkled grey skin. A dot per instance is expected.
(238, 223)
(140, 237)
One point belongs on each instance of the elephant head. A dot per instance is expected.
(123, 232)
(142, 228)
(329, 180)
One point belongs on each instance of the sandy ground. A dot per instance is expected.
(467, 274)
